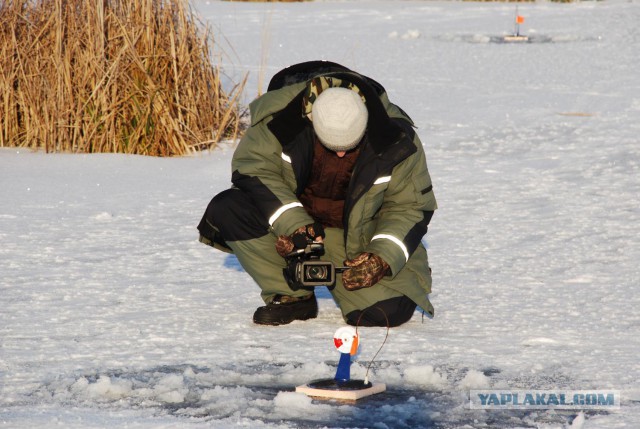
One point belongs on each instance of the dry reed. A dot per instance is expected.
(129, 76)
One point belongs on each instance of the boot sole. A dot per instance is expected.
(266, 318)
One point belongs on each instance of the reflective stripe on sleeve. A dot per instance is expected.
(274, 217)
(380, 180)
(286, 157)
(396, 241)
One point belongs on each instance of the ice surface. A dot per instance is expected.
(113, 315)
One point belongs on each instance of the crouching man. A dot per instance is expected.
(329, 159)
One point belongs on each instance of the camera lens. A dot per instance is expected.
(316, 272)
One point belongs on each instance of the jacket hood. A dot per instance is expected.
(283, 101)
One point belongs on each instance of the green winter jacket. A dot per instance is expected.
(390, 198)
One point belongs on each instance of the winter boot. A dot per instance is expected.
(285, 309)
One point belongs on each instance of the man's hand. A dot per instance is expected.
(298, 240)
(366, 270)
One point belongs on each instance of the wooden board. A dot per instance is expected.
(516, 38)
(344, 395)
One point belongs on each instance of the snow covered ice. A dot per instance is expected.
(112, 314)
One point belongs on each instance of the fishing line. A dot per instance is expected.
(366, 376)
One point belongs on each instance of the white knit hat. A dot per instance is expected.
(339, 118)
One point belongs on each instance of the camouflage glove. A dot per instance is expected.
(366, 270)
(299, 239)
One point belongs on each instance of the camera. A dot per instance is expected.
(305, 269)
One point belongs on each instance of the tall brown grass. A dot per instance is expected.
(131, 76)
